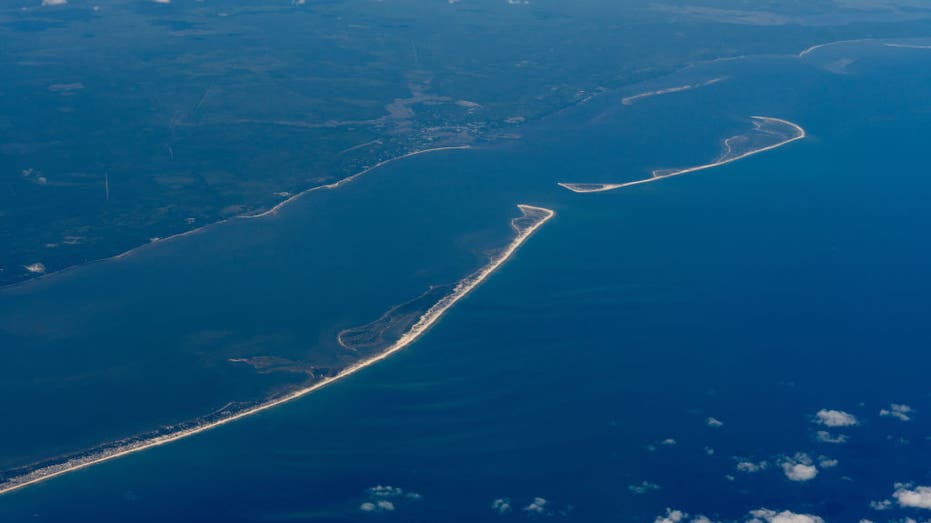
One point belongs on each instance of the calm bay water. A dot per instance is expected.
(756, 293)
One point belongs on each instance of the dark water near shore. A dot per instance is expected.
(756, 293)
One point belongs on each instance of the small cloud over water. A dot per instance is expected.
(765, 515)
(826, 437)
(643, 487)
(799, 468)
(501, 505)
(835, 418)
(898, 411)
(911, 496)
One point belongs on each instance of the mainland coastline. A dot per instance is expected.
(272, 211)
(524, 226)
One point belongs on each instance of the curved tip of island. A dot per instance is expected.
(792, 132)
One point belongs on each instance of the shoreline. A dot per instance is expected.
(349, 179)
(630, 100)
(602, 187)
(539, 215)
(203, 228)
(883, 41)
(907, 46)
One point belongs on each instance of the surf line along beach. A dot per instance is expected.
(531, 219)
(759, 122)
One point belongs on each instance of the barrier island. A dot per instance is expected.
(394, 331)
(768, 133)
(630, 100)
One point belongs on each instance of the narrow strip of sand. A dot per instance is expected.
(537, 216)
(758, 122)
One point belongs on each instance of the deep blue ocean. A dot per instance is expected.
(584, 372)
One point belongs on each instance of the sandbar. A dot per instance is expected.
(531, 219)
(729, 156)
(669, 90)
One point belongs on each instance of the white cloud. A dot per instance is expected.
(35, 268)
(917, 497)
(385, 491)
(678, 516)
(881, 505)
(826, 463)
(898, 411)
(771, 516)
(668, 442)
(379, 496)
(835, 418)
(826, 437)
(381, 505)
(799, 472)
(751, 467)
(643, 487)
(537, 506)
(714, 422)
(54, 2)
(501, 505)
(799, 468)
(671, 516)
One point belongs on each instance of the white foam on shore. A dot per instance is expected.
(427, 320)
(273, 210)
(661, 174)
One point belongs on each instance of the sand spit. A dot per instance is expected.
(814, 48)
(531, 219)
(669, 90)
(908, 46)
(273, 210)
(729, 156)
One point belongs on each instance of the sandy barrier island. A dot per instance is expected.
(762, 124)
(531, 219)
(813, 48)
(630, 100)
